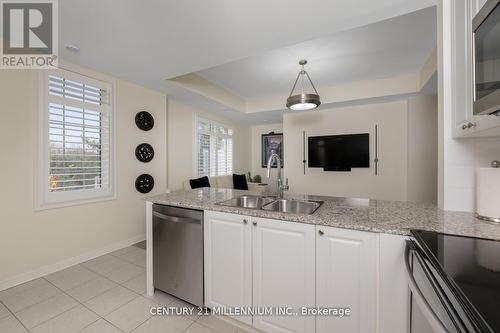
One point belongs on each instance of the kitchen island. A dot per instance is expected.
(255, 257)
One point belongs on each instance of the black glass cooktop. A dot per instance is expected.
(472, 266)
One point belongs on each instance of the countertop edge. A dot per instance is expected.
(378, 216)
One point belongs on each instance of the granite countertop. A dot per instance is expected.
(391, 217)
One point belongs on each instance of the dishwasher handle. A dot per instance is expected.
(424, 305)
(175, 219)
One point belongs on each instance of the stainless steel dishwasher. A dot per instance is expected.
(178, 252)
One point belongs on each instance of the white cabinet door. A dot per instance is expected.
(393, 284)
(283, 273)
(346, 265)
(461, 82)
(228, 261)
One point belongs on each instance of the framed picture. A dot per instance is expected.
(270, 142)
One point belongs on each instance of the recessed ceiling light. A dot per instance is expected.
(71, 47)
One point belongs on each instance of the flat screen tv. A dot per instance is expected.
(339, 152)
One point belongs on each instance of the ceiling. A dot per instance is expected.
(392, 47)
(148, 42)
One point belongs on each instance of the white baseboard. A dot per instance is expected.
(48, 269)
(239, 324)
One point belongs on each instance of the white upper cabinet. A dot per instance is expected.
(347, 263)
(459, 86)
(228, 261)
(283, 273)
(462, 63)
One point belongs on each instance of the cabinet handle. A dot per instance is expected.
(465, 126)
(321, 232)
(470, 125)
(245, 221)
(254, 222)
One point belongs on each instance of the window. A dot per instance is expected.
(214, 148)
(76, 151)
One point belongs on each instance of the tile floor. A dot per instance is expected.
(104, 295)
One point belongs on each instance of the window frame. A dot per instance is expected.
(44, 198)
(197, 119)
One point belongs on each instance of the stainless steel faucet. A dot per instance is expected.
(279, 182)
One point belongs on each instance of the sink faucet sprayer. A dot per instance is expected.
(279, 183)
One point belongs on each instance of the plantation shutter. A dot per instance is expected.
(79, 133)
(214, 149)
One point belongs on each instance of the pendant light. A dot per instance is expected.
(303, 101)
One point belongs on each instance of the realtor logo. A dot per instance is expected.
(29, 34)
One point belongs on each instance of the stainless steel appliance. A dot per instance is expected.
(178, 252)
(486, 54)
(451, 290)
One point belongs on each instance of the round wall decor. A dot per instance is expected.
(144, 120)
(144, 183)
(144, 152)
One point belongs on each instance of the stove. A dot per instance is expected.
(470, 269)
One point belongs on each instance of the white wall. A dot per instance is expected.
(421, 152)
(390, 183)
(422, 149)
(181, 143)
(256, 159)
(32, 241)
(461, 160)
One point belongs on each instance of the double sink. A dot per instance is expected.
(273, 204)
